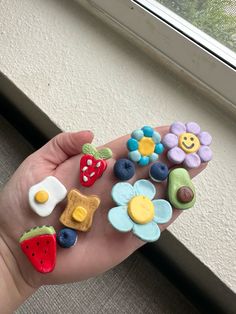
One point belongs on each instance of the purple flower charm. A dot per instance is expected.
(187, 144)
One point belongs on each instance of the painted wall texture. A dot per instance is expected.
(85, 76)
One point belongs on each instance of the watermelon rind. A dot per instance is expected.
(41, 230)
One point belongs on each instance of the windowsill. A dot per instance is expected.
(200, 285)
(137, 26)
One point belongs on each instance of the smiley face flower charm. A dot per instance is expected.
(187, 144)
(144, 146)
(137, 211)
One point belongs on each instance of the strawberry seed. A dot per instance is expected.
(89, 162)
(85, 179)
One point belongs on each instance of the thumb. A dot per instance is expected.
(64, 145)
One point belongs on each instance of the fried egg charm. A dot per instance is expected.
(45, 195)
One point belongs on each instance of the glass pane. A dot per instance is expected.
(217, 18)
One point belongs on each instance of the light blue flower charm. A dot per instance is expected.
(144, 146)
(137, 211)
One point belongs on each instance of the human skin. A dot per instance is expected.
(96, 251)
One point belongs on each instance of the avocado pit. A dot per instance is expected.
(185, 195)
(181, 191)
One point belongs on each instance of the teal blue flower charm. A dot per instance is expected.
(144, 146)
(137, 211)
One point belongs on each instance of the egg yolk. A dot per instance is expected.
(41, 197)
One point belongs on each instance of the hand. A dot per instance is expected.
(97, 250)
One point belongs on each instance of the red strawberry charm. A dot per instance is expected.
(39, 245)
(91, 169)
(93, 164)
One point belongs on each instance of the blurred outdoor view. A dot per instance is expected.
(217, 18)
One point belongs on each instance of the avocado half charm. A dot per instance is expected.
(181, 191)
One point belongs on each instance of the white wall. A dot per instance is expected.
(84, 75)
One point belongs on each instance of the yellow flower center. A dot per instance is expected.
(141, 209)
(79, 214)
(189, 143)
(146, 146)
(41, 197)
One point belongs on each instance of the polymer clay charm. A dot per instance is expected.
(158, 172)
(181, 191)
(79, 211)
(138, 211)
(144, 146)
(187, 144)
(93, 164)
(124, 169)
(45, 195)
(67, 237)
(39, 245)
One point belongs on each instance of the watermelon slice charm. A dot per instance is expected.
(39, 245)
(93, 164)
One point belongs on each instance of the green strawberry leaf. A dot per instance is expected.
(104, 153)
(96, 155)
(89, 149)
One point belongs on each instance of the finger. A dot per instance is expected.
(64, 146)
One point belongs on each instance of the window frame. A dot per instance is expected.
(203, 58)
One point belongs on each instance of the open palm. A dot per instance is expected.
(97, 250)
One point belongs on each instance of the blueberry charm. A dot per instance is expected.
(124, 169)
(67, 237)
(158, 172)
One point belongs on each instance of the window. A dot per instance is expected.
(216, 18)
(210, 23)
(212, 61)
